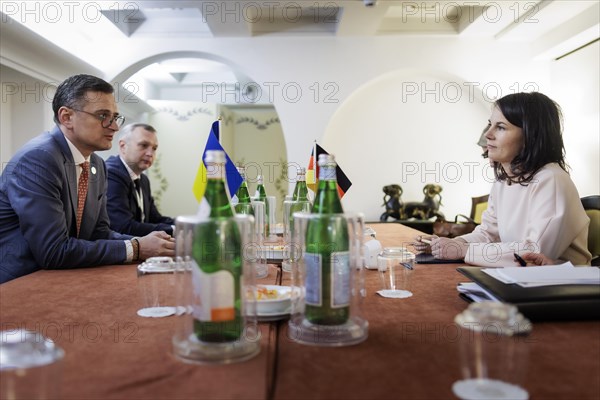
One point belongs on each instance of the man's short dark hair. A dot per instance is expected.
(72, 91)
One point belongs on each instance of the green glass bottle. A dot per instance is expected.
(299, 197)
(327, 256)
(300, 190)
(244, 205)
(261, 195)
(217, 249)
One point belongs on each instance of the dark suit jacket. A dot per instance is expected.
(38, 206)
(123, 210)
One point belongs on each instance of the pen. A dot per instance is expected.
(427, 241)
(520, 260)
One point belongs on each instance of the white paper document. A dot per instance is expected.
(563, 274)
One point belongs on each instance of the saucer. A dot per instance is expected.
(157, 312)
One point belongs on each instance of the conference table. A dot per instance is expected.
(411, 351)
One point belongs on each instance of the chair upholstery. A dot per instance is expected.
(478, 206)
(591, 204)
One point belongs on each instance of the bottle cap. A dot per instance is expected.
(326, 159)
(215, 156)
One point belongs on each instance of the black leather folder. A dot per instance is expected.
(544, 303)
(428, 258)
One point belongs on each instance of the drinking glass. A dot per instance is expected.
(493, 349)
(30, 365)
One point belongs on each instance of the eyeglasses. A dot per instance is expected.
(103, 118)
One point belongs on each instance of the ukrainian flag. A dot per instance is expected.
(234, 179)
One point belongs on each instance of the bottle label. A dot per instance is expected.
(314, 267)
(339, 278)
(214, 295)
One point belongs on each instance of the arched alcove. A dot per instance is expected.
(127, 72)
(250, 133)
(411, 128)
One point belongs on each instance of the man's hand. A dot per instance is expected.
(156, 244)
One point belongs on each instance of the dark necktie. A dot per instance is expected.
(138, 189)
(82, 188)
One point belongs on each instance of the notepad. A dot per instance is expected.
(563, 274)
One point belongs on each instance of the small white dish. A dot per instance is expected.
(272, 252)
(273, 300)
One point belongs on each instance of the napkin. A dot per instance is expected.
(394, 294)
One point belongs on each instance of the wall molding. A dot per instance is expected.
(186, 115)
(259, 125)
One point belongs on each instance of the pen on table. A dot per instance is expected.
(520, 260)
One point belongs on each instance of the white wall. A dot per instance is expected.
(383, 134)
(259, 143)
(575, 84)
(26, 110)
(334, 75)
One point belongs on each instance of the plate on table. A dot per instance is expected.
(274, 253)
(273, 302)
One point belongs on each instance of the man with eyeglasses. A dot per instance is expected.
(131, 207)
(53, 191)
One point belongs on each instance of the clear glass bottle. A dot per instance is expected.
(261, 195)
(217, 250)
(327, 257)
(244, 205)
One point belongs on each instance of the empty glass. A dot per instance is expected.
(493, 352)
(396, 266)
(156, 287)
(30, 365)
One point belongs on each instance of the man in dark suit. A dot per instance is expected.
(131, 207)
(53, 191)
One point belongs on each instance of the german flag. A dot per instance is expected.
(312, 173)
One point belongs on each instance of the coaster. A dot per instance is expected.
(488, 389)
(394, 294)
(156, 312)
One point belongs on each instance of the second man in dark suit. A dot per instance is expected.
(130, 205)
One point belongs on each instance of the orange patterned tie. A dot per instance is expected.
(82, 189)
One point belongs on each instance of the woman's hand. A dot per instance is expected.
(449, 249)
(537, 259)
(422, 243)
